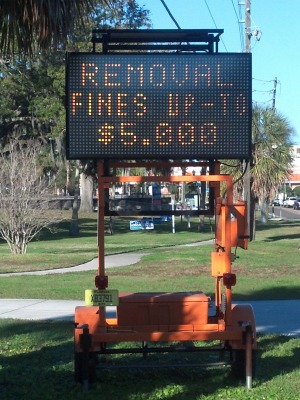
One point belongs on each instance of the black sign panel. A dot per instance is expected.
(149, 106)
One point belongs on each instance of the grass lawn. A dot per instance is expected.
(55, 250)
(36, 358)
(269, 269)
(36, 362)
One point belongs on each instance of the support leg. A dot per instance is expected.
(249, 369)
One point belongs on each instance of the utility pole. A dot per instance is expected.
(247, 183)
(274, 93)
(248, 26)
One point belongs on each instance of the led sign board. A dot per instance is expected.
(149, 106)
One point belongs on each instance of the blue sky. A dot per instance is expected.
(275, 55)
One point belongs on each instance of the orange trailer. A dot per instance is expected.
(167, 317)
(163, 95)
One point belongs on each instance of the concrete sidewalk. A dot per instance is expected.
(111, 261)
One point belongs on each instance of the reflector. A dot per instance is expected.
(101, 282)
(229, 280)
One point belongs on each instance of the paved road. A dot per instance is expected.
(284, 212)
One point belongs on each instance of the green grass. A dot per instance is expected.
(36, 358)
(60, 250)
(269, 269)
(36, 362)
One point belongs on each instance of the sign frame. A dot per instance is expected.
(204, 134)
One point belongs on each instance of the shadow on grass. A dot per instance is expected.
(271, 362)
(275, 225)
(121, 225)
(282, 237)
(33, 360)
(37, 363)
(260, 226)
(88, 228)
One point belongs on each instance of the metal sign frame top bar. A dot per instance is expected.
(196, 40)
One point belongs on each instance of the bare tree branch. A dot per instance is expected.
(24, 196)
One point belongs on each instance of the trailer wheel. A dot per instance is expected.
(238, 364)
(79, 373)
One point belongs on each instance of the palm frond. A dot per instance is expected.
(26, 24)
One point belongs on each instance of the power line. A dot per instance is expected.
(178, 26)
(170, 14)
(211, 14)
(262, 80)
(239, 21)
(262, 91)
(215, 23)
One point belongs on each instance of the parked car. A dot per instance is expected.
(296, 205)
(276, 202)
(289, 202)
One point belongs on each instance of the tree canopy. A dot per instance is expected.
(33, 89)
(30, 25)
(272, 151)
(34, 36)
(271, 159)
(32, 102)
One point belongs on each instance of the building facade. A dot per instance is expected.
(294, 178)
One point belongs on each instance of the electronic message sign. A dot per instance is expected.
(153, 106)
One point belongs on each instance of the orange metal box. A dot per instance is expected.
(162, 311)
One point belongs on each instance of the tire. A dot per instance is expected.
(238, 364)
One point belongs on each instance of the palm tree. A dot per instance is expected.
(272, 155)
(29, 24)
(272, 159)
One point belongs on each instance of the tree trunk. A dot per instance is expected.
(19, 245)
(202, 200)
(263, 211)
(86, 191)
(252, 222)
(74, 227)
